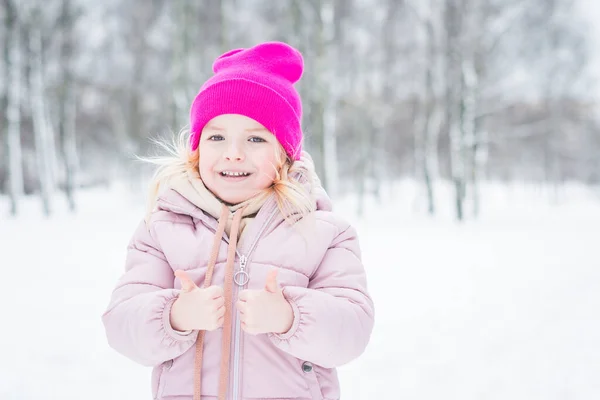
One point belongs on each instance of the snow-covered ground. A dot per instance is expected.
(504, 307)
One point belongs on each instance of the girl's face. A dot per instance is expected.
(238, 157)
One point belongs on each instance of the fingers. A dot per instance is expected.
(219, 302)
(187, 284)
(215, 292)
(215, 326)
(219, 317)
(241, 306)
(249, 329)
(271, 284)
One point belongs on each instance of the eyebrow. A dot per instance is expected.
(256, 130)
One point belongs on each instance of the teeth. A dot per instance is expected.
(228, 173)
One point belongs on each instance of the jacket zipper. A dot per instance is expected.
(236, 340)
(242, 280)
(237, 333)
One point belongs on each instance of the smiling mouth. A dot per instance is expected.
(232, 174)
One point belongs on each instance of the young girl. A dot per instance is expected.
(241, 283)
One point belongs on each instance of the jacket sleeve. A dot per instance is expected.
(334, 316)
(137, 320)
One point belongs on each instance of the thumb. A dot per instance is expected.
(271, 285)
(186, 283)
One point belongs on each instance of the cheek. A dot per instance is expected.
(205, 165)
(203, 174)
(268, 167)
(202, 166)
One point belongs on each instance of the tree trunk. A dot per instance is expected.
(67, 105)
(331, 35)
(183, 27)
(454, 102)
(310, 43)
(142, 24)
(50, 138)
(42, 140)
(478, 162)
(469, 133)
(362, 195)
(330, 163)
(317, 98)
(364, 153)
(432, 117)
(551, 155)
(383, 127)
(13, 107)
(227, 12)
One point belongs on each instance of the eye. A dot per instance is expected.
(256, 139)
(216, 138)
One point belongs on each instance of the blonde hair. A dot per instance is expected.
(293, 200)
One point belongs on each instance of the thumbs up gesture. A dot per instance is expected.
(195, 308)
(267, 310)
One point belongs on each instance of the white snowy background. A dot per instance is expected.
(505, 307)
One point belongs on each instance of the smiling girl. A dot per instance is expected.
(241, 283)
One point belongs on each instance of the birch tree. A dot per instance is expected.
(332, 41)
(183, 30)
(453, 11)
(389, 92)
(426, 131)
(44, 143)
(566, 48)
(316, 28)
(67, 100)
(141, 20)
(12, 104)
(316, 61)
(490, 35)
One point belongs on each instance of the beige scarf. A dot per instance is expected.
(193, 189)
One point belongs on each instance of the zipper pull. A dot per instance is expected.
(241, 277)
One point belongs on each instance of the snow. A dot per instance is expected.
(503, 307)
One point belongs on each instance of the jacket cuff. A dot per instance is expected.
(180, 336)
(295, 324)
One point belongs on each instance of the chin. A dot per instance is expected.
(233, 199)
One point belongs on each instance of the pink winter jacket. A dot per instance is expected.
(322, 276)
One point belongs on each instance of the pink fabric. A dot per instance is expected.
(259, 83)
(320, 270)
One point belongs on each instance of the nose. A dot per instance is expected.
(234, 152)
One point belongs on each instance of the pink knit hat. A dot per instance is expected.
(259, 83)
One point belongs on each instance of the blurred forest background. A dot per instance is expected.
(460, 91)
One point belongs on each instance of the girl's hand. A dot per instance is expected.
(195, 308)
(265, 311)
